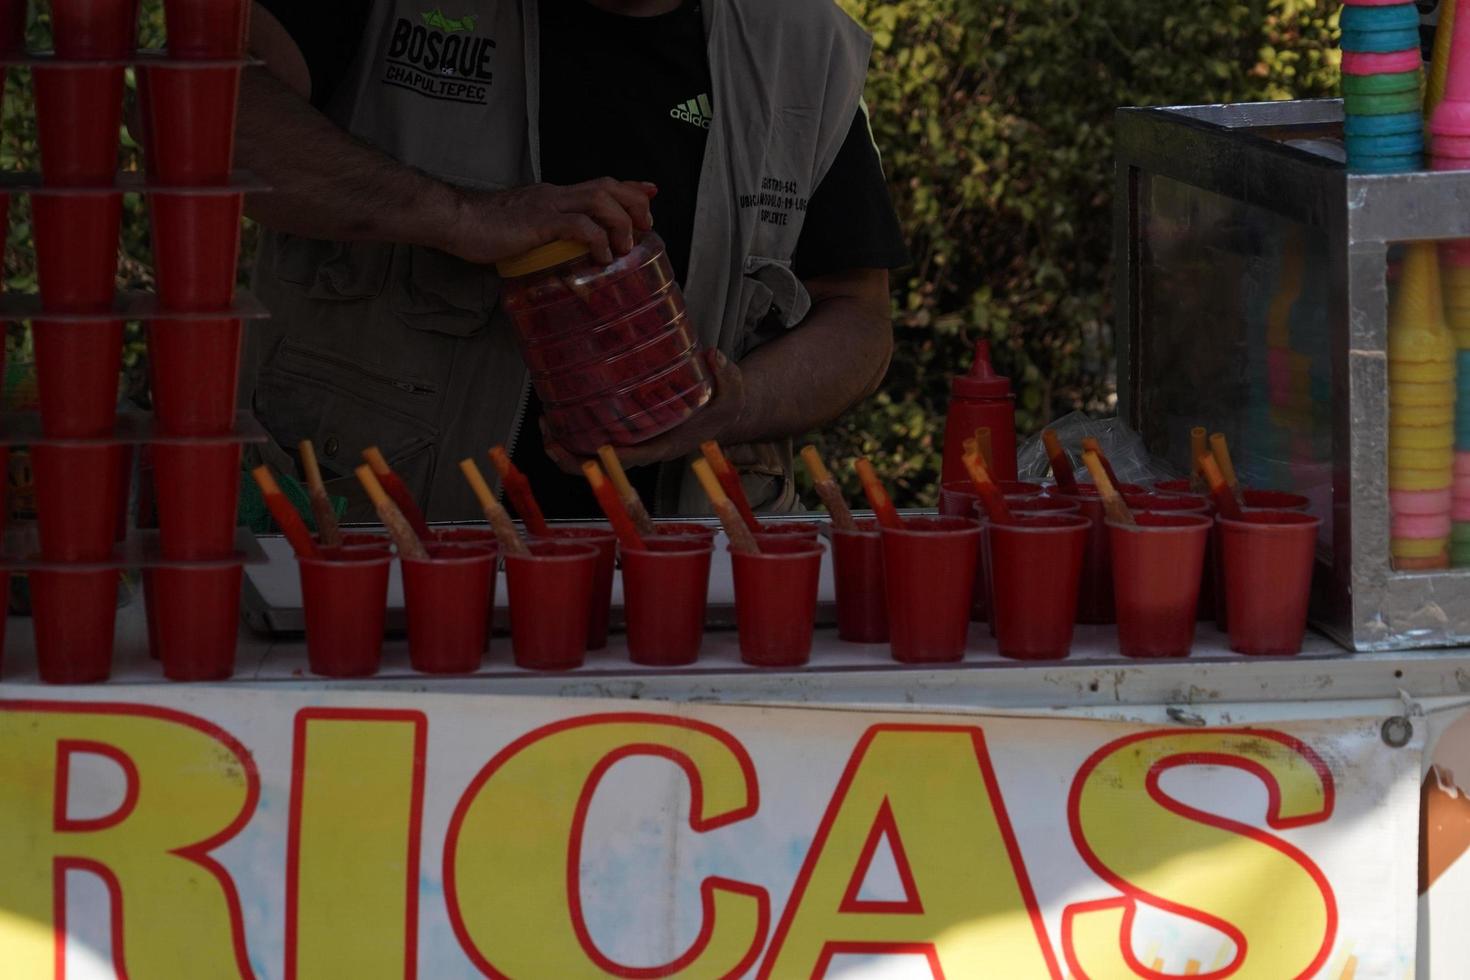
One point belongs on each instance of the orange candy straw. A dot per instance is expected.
(500, 522)
(632, 503)
(286, 518)
(321, 504)
(612, 506)
(982, 446)
(1199, 445)
(397, 491)
(518, 489)
(827, 489)
(405, 539)
(1221, 450)
(741, 538)
(877, 497)
(1115, 506)
(730, 481)
(1225, 501)
(1061, 464)
(990, 496)
(1091, 445)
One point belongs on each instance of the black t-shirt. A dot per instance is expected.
(629, 97)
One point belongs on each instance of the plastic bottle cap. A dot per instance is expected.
(537, 259)
(982, 381)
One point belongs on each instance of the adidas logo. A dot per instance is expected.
(696, 111)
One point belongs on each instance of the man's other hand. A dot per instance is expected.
(605, 215)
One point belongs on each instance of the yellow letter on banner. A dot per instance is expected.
(190, 788)
(352, 864)
(970, 908)
(1273, 903)
(513, 852)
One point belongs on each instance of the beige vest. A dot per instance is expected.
(406, 347)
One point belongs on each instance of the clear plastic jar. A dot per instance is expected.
(611, 351)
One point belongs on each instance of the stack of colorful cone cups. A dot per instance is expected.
(1382, 86)
(1422, 430)
(188, 107)
(78, 344)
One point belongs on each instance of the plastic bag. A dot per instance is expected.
(1123, 447)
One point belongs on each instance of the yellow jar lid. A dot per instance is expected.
(537, 259)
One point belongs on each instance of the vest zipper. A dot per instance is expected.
(515, 429)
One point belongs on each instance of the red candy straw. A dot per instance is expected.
(990, 495)
(500, 522)
(405, 539)
(1113, 504)
(1061, 465)
(631, 501)
(828, 490)
(883, 508)
(982, 445)
(1091, 445)
(730, 481)
(397, 492)
(612, 505)
(1225, 501)
(741, 537)
(518, 489)
(1221, 450)
(286, 518)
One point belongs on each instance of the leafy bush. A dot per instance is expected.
(995, 119)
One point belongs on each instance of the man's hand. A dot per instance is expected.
(721, 416)
(602, 214)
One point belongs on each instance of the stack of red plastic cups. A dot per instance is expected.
(188, 104)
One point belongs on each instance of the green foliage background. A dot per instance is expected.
(995, 119)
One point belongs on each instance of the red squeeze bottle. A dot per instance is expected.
(980, 398)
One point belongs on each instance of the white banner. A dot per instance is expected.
(212, 833)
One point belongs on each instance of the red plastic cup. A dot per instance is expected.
(76, 500)
(550, 600)
(345, 594)
(786, 531)
(194, 364)
(1254, 500)
(78, 367)
(958, 498)
(198, 620)
(1268, 556)
(930, 568)
(1036, 566)
(78, 120)
(1043, 505)
(1157, 565)
(857, 573)
(94, 30)
(1173, 486)
(74, 614)
(600, 609)
(448, 598)
(189, 140)
(1167, 503)
(76, 250)
(206, 28)
(685, 529)
(479, 537)
(984, 595)
(776, 600)
(665, 588)
(196, 249)
(1095, 595)
(198, 491)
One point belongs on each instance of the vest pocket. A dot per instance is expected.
(333, 270)
(445, 294)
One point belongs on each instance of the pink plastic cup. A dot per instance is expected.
(206, 28)
(198, 489)
(195, 364)
(550, 600)
(190, 136)
(857, 573)
(448, 596)
(197, 618)
(1036, 565)
(345, 593)
(76, 250)
(1157, 564)
(76, 500)
(74, 614)
(665, 589)
(776, 600)
(1269, 558)
(930, 568)
(94, 30)
(196, 249)
(78, 367)
(599, 612)
(78, 121)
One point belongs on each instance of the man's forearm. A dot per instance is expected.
(834, 359)
(326, 183)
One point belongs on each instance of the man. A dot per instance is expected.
(407, 147)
